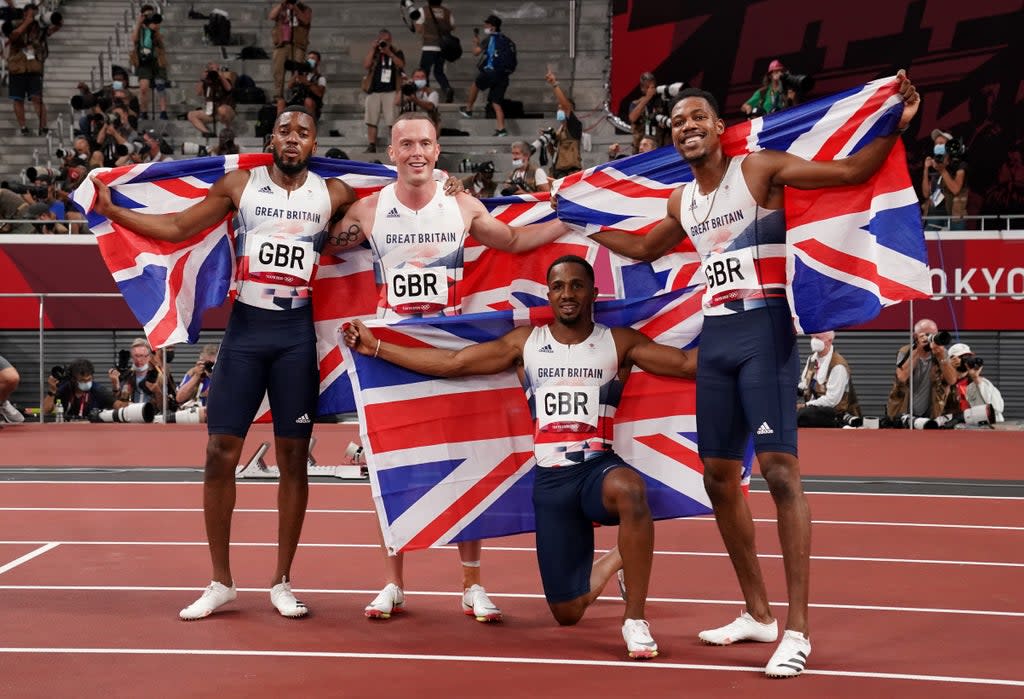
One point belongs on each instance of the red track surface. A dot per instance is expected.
(62, 603)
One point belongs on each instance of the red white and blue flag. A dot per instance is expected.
(452, 459)
(851, 250)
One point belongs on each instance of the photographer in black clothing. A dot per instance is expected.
(73, 387)
(944, 181)
(307, 86)
(215, 87)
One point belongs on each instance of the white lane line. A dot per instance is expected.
(518, 595)
(530, 549)
(29, 556)
(330, 511)
(250, 510)
(646, 666)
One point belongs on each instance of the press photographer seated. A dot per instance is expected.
(307, 86)
(215, 87)
(140, 378)
(525, 177)
(827, 397)
(933, 375)
(974, 399)
(76, 392)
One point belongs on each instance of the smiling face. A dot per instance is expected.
(414, 149)
(293, 141)
(696, 129)
(571, 293)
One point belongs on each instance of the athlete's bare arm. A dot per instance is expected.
(353, 228)
(221, 199)
(500, 236)
(659, 240)
(484, 358)
(636, 348)
(768, 171)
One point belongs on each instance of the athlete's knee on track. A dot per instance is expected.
(782, 474)
(568, 613)
(722, 479)
(222, 453)
(625, 491)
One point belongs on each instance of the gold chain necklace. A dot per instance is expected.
(714, 195)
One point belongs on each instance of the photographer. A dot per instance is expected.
(648, 115)
(525, 177)
(943, 181)
(290, 35)
(307, 86)
(27, 52)
(383, 64)
(772, 96)
(496, 61)
(14, 206)
(74, 387)
(433, 20)
(972, 390)
(481, 183)
(417, 96)
(933, 374)
(215, 88)
(566, 145)
(141, 381)
(827, 398)
(194, 388)
(149, 59)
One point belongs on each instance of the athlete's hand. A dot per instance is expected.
(453, 185)
(103, 203)
(911, 100)
(360, 338)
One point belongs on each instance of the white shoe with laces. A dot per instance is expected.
(10, 413)
(744, 628)
(215, 596)
(477, 604)
(284, 601)
(639, 643)
(390, 600)
(790, 658)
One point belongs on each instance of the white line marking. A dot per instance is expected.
(516, 595)
(330, 511)
(529, 549)
(650, 665)
(29, 556)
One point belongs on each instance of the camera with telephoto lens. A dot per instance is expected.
(955, 150)
(908, 421)
(298, 66)
(800, 84)
(408, 8)
(37, 191)
(189, 148)
(186, 416)
(669, 91)
(136, 412)
(941, 338)
(851, 420)
(515, 184)
(42, 174)
(973, 362)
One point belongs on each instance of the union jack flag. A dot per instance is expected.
(452, 459)
(852, 250)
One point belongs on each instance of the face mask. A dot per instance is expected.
(420, 83)
(488, 30)
(516, 162)
(311, 62)
(117, 85)
(142, 369)
(84, 385)
(817, 346)
(940, 149)
(560, 115)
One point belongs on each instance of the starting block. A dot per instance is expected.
(256, 467)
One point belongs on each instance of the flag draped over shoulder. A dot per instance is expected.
(851, 250)
(453, 458)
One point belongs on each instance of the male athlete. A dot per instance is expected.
(573, 372)
(269, 345)
(733, 213)
(418, 238)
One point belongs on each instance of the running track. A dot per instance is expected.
(913, 595)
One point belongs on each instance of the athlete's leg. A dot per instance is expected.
(292, 498)
(624, 496)
(469, 555)
(736, 525)
(222, 457)
(782, 473)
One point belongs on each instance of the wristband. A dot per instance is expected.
(377, 351)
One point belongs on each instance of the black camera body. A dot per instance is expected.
(37, 191)
(800, 84)
(60, 372)
(973, 362)
(297, 66)
(955, 150)
(409, 89)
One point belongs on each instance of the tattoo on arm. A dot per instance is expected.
(346, 237)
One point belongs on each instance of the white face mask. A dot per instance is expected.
(84, 385)
(817, 346)
(141, 369)
(117, 85)
(420, 83)
(559, 115)
(517, 162)
(488, 30)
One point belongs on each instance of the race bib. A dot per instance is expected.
(730, 276)
(417, 289)
(280, 259)
(567, 408)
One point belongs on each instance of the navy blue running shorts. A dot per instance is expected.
(567, 501)
(265, 351)
(747, 371)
